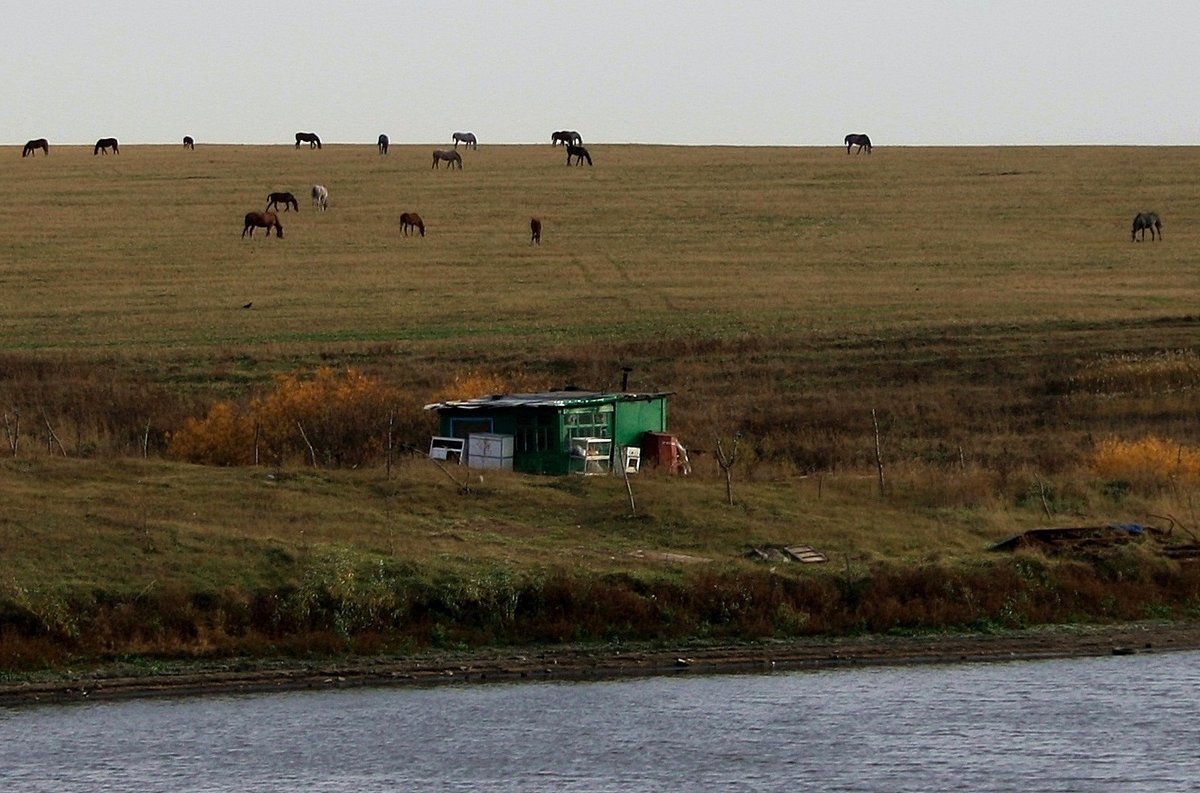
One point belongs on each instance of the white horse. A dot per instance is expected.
(320, 197)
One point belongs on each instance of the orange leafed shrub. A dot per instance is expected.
(1149, 463)
(343, 415)
(472, 384)
(224, 437)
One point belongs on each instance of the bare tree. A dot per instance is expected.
(726, 460)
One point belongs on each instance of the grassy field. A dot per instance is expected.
(987, 303)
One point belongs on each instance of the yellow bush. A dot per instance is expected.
(223, 437)
(1149, 463)
(344, 416)
(472, 384)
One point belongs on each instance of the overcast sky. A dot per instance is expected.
(927, 72)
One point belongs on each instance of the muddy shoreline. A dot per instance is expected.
(597, 662)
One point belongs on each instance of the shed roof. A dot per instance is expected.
(555, 399)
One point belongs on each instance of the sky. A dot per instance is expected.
(800, 73)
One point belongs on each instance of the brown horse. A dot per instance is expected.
(189, 142)
(451, 157)
(262, 220)
(32, 146)
(287, 199)
(104, 144)
(410, 221)
(1143, 221)
(535, 231)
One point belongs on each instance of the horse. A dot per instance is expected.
(579, 153)
(449, 155)
(308, 137)
(859, 140)
(262, 220)
(411, 220)
(189, 143)
(567, 137)
(287, 199)
(104, 144)
(383, 144)
(1143, 221)
(467, 138)
(320, 197)
(535, 231)
(32, 146)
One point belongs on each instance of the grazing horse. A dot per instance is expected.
(1143, 221)
(287, 199)
(535, 231)
(262, 220)
(32, 146)
(861, 141)
(410, 221)
(320, 197)
(449, 155)
(567, 137)
(308, 137)
(579, 153)
(104, 144)
(189, 142)
(383, 144)
(467, 138)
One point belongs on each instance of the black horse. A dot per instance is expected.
(383, 144)
(579, 153)
(859, 140)
(32, 146)
(1143, 221)
(287, 199)
(567, 137)
(308, 137)
(189, 142)
(104, 144)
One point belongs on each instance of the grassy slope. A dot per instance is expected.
(935, 266)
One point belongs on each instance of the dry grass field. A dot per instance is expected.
(986, 302)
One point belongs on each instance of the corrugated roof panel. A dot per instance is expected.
(557, 399)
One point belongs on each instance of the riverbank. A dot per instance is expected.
(600, 662)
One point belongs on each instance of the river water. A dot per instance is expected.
(1128, 724)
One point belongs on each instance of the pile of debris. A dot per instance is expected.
(1097, 540)
(805, 554)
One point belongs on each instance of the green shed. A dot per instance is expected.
(555, 432)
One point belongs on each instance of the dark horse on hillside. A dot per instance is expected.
(262, 220)
(32, 146)
(308, 137)
(104, 144)
(535, 231)
(579, 153)
(567, 137)
(1143, 221)
(189, 142)
(451, 157)
(383, 144)
(411, 221)
(287, 199)
(859, 140)
(466, 138)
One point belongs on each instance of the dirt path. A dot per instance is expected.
(596, 662)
